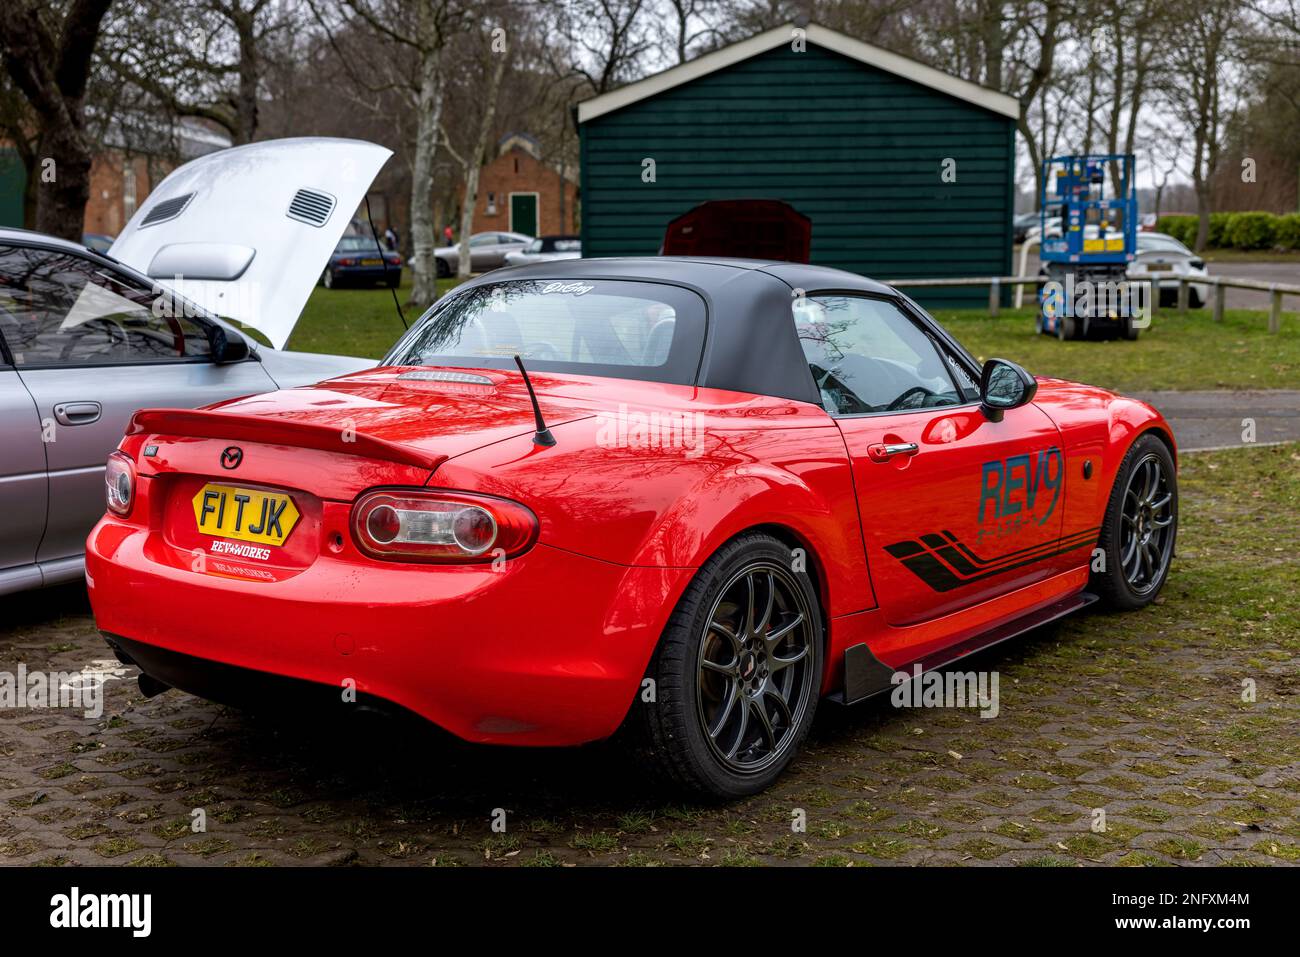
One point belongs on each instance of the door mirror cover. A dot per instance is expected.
(226, 346)
(1005, 385)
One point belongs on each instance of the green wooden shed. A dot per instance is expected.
(905, 171)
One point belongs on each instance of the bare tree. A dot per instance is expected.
(495, 54)
(1196, 88)
(201, 58)
(48, 53)
(686, 25)
(415, 34)
(602, 41)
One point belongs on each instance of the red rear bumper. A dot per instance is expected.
(548, 650)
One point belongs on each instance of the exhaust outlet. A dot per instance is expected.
(151, 687)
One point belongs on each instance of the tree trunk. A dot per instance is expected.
(1202, 216)
(61, 203)
(474, 164)
(56, 88)
(1035, 155)
(246, 110)
(424, 288)
(464, 264)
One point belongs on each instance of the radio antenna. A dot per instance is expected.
(543, 435)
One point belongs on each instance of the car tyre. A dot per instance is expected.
(732, 705)
(1129, 329)
(328, 280)
(393, 280)
(1141, 525)
(1067, 327)
(443, 270)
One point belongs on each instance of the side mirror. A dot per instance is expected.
(1004, 385)
(226, 346)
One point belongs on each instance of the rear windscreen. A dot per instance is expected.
(631, 330)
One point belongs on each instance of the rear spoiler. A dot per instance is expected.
(257, 428)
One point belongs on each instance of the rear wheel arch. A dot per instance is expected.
(665, 730)
(815, 566)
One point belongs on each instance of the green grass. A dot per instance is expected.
(355, 321)
(1177, 352)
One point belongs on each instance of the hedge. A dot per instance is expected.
(1287, 234)
(1250, 230)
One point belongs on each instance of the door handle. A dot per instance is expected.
(880, 452)
(77, 413)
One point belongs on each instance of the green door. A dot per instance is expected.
(523, 213)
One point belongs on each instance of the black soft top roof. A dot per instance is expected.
(751, 344)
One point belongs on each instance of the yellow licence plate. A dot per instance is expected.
(372, 262)
(245, 514)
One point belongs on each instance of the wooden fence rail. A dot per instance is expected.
(1218, 291)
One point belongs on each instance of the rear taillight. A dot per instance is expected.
(432, 526)
(347, 262)
(395, 260)
(119, 483)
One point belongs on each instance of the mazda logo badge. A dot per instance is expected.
(231, 457)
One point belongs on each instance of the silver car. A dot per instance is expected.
(86, 339)
(486, 251)
(547, 249)
(1163, 261)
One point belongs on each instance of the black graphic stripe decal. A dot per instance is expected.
(1076, 539)
(944, 563)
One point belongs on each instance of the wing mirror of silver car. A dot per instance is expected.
(226, 346)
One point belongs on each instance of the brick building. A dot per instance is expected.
(121, 176)
(519, 192)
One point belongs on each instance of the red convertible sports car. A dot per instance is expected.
(687, 499)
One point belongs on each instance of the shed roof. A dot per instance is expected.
(902, 66)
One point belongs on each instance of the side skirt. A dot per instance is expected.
(866, 676)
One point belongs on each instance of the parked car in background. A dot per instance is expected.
(1022, 224)
(97, 241)
(1163, 261)
(1034, 231)
(546, 249)
(358, 261)
(486, 251)
(87, 339)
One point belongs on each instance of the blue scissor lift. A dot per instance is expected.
(1089, 234)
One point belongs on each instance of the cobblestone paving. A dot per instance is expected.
(1140, 716)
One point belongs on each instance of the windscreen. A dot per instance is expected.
(630, 330)
(356, 244)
